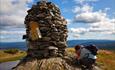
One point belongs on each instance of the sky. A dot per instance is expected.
(87, 19)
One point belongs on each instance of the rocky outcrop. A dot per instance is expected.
(45, 64)
(65, 63)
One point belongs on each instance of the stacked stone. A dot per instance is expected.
(52, 30)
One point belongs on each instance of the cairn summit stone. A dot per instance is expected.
(45, 27)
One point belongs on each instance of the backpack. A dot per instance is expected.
(92, 48)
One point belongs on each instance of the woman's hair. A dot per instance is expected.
(77, 47)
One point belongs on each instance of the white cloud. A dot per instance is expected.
(89, 17)
(107, 24)
(69, 21)
(78, 30)
(9, 7)
(86, 14)
(85, 8)
(12, 21)
(104, 26)
(99, 20)
(76, 35)
(106, 9)
(12, 14)
(84, 1)
(12, 32)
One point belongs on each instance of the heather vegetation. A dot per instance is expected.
(11, 55)
(105, 60)
(11, 51)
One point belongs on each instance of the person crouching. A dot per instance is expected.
(86, 56)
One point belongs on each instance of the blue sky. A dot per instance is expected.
(87, 19)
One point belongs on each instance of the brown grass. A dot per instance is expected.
(105, 60)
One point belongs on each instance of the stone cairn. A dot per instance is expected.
(46, 30)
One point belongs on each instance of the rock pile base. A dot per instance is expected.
(49, 64)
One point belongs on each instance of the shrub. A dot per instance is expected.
(11, 51)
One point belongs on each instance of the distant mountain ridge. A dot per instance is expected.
(8, 45)
(107, 44)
